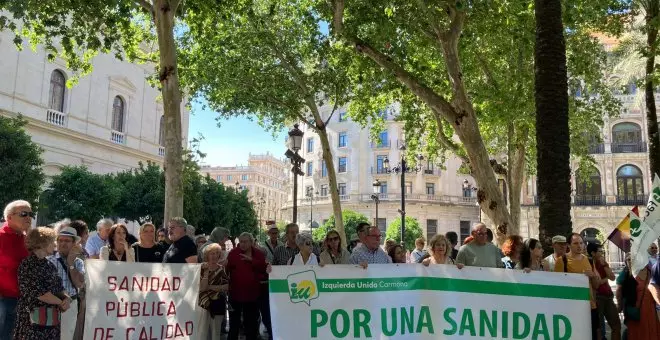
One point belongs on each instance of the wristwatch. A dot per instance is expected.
(72, 267)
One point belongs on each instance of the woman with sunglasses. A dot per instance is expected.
(305, 255)
(334, 253)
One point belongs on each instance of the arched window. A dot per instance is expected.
(589, 191)
(57, 91)
(630, 185)
(161, 133)
(627, 137)
(118, 114)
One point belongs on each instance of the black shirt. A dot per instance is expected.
(113, 257)
(180, 250)
(151, 255)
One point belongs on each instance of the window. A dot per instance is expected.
(324, 190)
(431, 228)
(244, 177)
(630, 185)
(342, 139)
(382, 224)
(409, 188)
(218, 178)
(342, 116)
(310, 144)
(627, 137)
(229, 177)
(342, 189)
(57, 91)
(465, 230)
(588, 189)
(383, 187)
(161, 129)
(324, 169)
(310, 168)
(380, 161)
(502, 184)
(430, 188)
(383, 139)
(342, 164)
(118, 114)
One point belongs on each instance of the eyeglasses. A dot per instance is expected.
(26, 214)
(375, 236)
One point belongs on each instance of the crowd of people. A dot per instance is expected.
(42, 286)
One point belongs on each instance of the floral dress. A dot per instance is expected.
(36, 277)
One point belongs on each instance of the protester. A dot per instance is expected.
(246, 267)
(654, 287)
(397, 254)
(438, 251)
(213, 287)
(653, 253)
(162, 236)
(146, 249)
(18, 216)
(264, 299)
(117, 248)
(638, 306)
(369, 250)
(100, 239)
(604, 294)
(83, 231)
(200, 240)
(305, 255)
(511, 249)
(183, 248)
(41, 291)
(71, 270)
(190, 231)
(389, 243)
(418, 253)
(272, 243)
(334, 253)
(219, 236)
(467, 241)
(531, 256)
(453, 239)
(576, 262)
(559, 247)
(284, 252)
(479, 252)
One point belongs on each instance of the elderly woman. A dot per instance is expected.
(305, 255)
(117, 248)
(333, 253)
(146, 249)
(439, 248)
(511, 249)
(531, 256)
(397, 253)
(43, 297)
(212, 293)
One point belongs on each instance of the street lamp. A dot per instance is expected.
(376, 197)
(467, 192)
(295, 144)
(403, 168)
(310, 194)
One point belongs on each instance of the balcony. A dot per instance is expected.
(56, 118)
(632, 199)
(589, 200)
(599, 200)
(161, 151)
(460, 200)
(431, 172)
(381, 144)
(378, 171)
(596, 149)
(118, 137)
(629, 147)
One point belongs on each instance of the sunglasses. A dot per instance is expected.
(333, 239)
(26, 214)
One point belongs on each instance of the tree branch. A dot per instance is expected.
(447, 142)
(174, 5)
(487, 72)
(145, 5)
(334, 108)
(337, 7)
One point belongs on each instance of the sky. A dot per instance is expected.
(232, 142)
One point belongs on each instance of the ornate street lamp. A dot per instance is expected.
(295, 144)
(403, 168)
(310, 195)
(376, 197)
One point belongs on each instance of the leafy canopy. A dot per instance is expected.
(351, 221)
(413, 232)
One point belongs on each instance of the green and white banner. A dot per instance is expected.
(436, 302)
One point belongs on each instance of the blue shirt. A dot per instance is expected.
(63, 272)
(362, 254)
(94, 245)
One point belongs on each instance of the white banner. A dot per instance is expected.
(436, 302)
(127, 301)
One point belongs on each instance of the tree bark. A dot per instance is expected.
(652, 14)
(164, 19)
(517, 141)
(552, 131)
(334, 189)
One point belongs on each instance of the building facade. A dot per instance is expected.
(264, 178)
(109, 121)
(434, 196)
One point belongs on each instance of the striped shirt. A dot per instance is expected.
(63, 272)
(362, 254)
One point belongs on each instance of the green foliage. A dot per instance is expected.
(21, 163)
(413, 232)
(351, 221)
(142, 191)
(77, 193)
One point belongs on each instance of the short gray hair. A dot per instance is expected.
(180, 221)
(104, 222)
(247, 235)
(289, 226)
(301, 239)
(61, 224)
(190, 231)
(9, 208)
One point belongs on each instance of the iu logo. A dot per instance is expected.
(303, 287)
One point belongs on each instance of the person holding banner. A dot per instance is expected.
(438, 251)
(117, 248)
(146, 249)
(636, 303)
(214, 284)
(479, 252)
(511, 249)
(531, 257)
(397, 254)
(183, 248)
(334, 253)
(559, 247)
(305, 255)
(369, 250)
(42, 295)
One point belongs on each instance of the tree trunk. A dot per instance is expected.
(169, 82)
(334, 189)
(552, 131)
(516, 167)
(652, 14)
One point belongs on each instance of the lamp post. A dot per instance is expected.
(467, 192)
(295, 144)
(310, 194)
(403, 168)
(376, 197)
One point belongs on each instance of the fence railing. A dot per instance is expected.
(118, 137)
(56, 118)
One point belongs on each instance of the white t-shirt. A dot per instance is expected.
(551, 262)
(298, 260)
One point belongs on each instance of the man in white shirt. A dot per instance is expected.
(559, 246)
